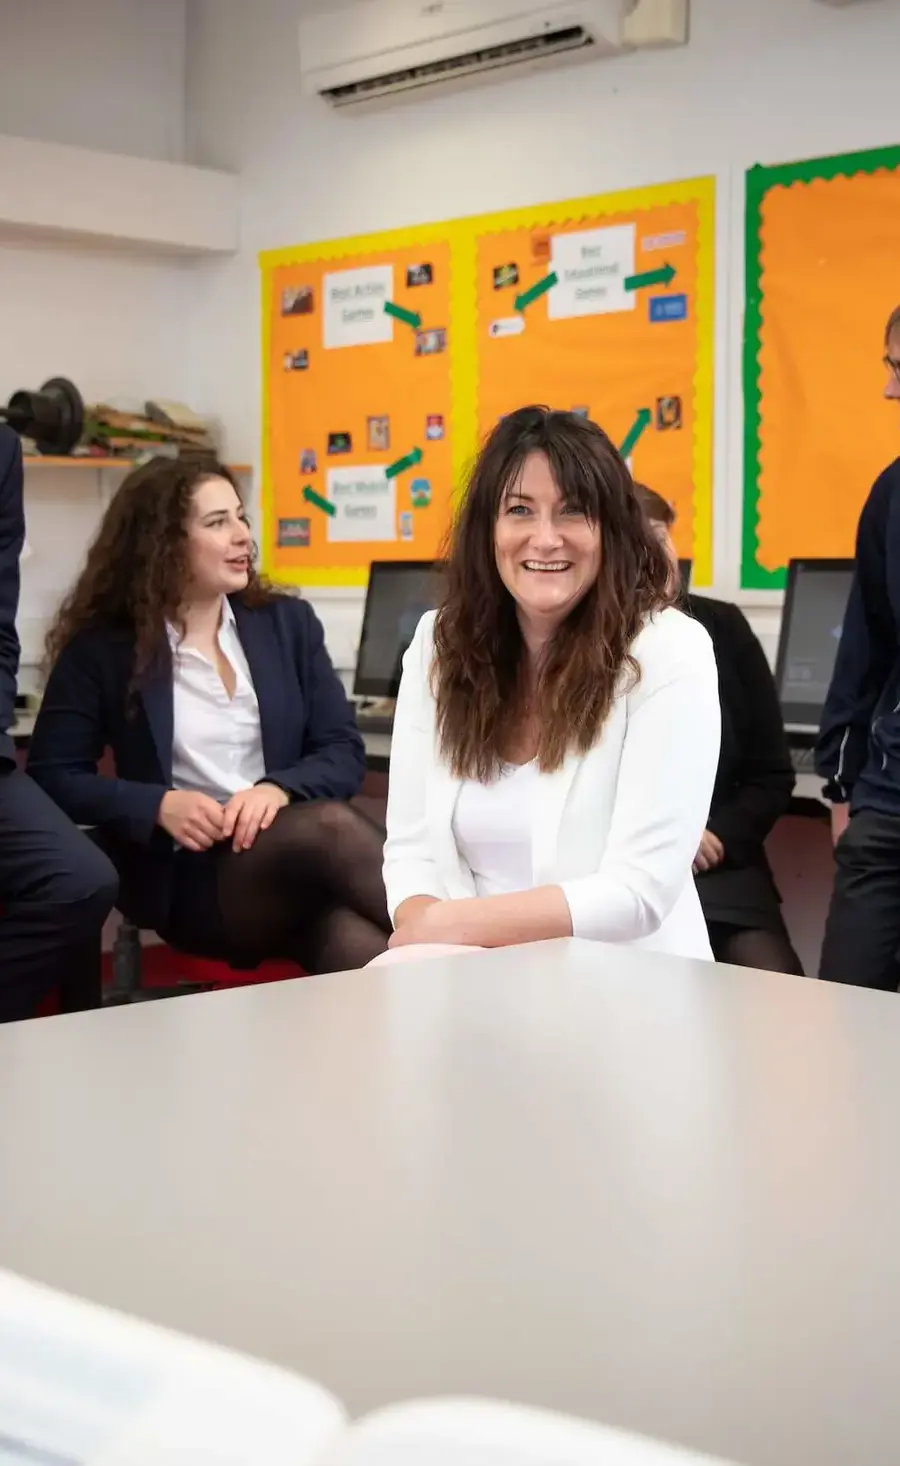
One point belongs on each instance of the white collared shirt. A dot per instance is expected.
(216, 739)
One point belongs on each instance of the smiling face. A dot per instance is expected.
(548, 554)
(219, 541)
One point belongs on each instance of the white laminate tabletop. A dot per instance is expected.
(658, 1193)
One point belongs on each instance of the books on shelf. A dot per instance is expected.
(84, 1386)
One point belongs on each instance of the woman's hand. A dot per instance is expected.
(250, 811)
(710, 854)
(193, 820)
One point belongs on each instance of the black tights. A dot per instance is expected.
(310, 889)
(769, 951)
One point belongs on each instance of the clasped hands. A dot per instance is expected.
(197, 821)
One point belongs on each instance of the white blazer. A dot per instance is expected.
(617, 828)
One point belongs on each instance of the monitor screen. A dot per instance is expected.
(814, 607)
(399, 594)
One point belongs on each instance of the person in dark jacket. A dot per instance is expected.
(753, 787)
(236, 749)
(56, 889)
(858, 752)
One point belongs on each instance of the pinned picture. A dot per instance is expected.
(419, 275)
(434, 427)
(293, 533)
(406, 525)
(420, 493)
(297, 300)
(668, 414)
(296, 361)
(540, 248)
(506, 276)
(509, 326)
(340, 443)
(309, 462)
(581, 412)
(429, 343)
(379, 434)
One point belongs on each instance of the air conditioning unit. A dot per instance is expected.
(373, 51)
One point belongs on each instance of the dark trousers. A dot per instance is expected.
(862, 934)
(56, 891)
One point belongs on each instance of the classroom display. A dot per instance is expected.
(387, 360)
(821, 281)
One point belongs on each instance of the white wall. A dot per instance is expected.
(761, 82)
(109, 75)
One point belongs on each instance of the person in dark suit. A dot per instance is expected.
(56, 888)
(753, 788)
(236, 750)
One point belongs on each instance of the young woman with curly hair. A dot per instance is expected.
(236, 750)
(557, 728)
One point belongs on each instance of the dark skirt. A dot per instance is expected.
(746, 898)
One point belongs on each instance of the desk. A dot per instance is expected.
(659, 1193)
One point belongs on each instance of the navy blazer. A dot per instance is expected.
(311, 744)
(12, 538)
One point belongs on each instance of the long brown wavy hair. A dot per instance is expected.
(477, 673)
(136, 570)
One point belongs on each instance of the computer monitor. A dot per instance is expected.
(399, 594)
(684, 570)
(814, 605)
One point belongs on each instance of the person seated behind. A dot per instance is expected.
(753, 789)
(557, 727)
(56, 888)
(235, 746)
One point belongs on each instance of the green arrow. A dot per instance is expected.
(641, 424)
(410, 318)
(403, 464)
(529, 296)
(312, 497)
(665, 276)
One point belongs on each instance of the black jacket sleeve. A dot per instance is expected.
(866, 654)
(12, 538)
(332, 762)
(764, 780)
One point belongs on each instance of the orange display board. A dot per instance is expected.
(636, 360)
(388, 358)
(359, 431)
(822, 280)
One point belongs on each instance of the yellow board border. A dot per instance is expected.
(462, 236)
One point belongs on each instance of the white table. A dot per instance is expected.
(658, 1193)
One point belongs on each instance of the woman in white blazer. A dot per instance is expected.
(556, 736)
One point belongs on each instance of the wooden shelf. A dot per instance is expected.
(47, 460)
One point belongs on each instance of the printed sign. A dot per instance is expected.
(364, 501)
(592, 267)
(354, 307)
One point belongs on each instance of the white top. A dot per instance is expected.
(217, 740)
(492, 826)
(616, 828)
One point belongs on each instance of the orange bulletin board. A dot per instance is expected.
(822, 278)
(340, 418)
(642, 368)
(370, 420)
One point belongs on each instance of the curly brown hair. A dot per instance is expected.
(136, 569)
(477, 673)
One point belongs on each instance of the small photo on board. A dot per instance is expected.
(668, 414)
(293, 533)
(340, 443)
(296, 361)
(430, 343)
(540, 248)
(379, 434)
(420, 493)
(297, 300)
(434, 427)
(505, 276)
(581, 412)
(419, 275)
(406, 525)
(309, 462)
